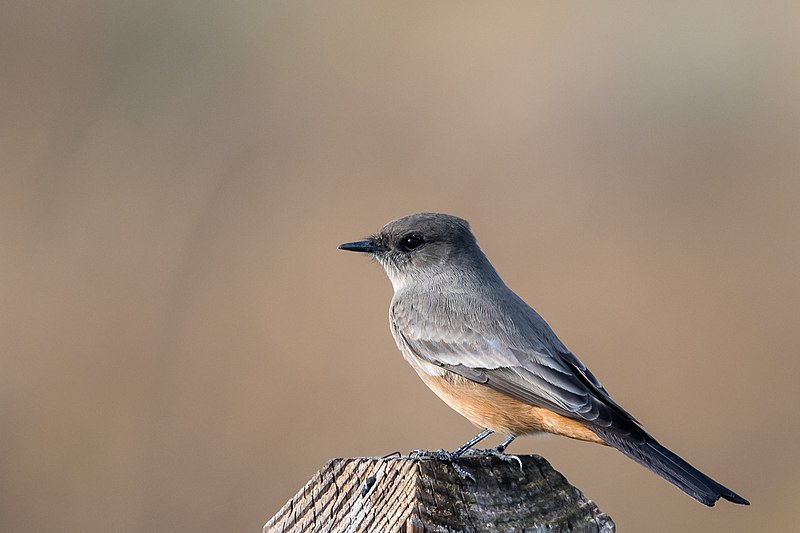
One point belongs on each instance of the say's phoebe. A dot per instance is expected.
(493, 359)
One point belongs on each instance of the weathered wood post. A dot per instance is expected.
(428, 495)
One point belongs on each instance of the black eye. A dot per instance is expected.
(410, 242)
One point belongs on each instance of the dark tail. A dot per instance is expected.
(666, 464)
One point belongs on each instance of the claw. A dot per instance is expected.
(496, 452)
(452, 457)
(440, 454)
(444, 456)
(463, 474)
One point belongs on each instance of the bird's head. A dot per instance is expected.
(420, 246)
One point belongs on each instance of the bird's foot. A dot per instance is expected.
(498, 451)
(445, 456)
(439, 455)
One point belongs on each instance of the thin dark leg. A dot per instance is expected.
(451, 457)
(472, 442)
(501, 448)
(499, 451)
(444, 455)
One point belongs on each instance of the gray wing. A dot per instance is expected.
(515, 353)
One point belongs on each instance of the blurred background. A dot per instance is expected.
(182, 344)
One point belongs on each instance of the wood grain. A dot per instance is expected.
(428, 495)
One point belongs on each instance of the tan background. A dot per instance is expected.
(182, 344)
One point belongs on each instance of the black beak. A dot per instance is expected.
(369, 246)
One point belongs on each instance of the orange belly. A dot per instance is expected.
(488, 408)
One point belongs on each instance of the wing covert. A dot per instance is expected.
(530, 371)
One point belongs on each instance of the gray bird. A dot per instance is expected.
(493, 359)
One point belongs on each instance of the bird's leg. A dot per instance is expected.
(451, 457)
(472, 442)
(501, 448)
(499, 451)
(444, 455)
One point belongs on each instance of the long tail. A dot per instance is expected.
(666, 464)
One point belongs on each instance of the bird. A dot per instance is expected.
(493, 359)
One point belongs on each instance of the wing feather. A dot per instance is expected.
(522, 358)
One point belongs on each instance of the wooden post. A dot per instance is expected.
(427, 495)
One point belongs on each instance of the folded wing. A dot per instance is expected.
(529, 364)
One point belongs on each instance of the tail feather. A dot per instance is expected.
(652, 455)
